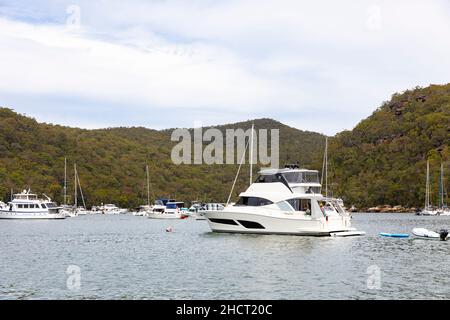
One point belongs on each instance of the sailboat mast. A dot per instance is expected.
(427, 188)
(76, 186)
(81, 191)
(326, 167)
(251, 154)
(441, 187)
(65, 181)
(148, 185)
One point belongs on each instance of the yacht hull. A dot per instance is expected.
(240, 222)
(31, 216)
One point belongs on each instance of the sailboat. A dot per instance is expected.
(428, 209)
(444, 210)
(75, 210)
(80, 210)
(145, 209)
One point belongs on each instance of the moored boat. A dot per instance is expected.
(26, 205)
(284, 201)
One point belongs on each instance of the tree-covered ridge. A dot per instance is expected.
(383, 159)
(111, 162)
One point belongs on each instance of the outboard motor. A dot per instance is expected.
(443, 234)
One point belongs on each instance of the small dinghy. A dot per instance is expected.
(423, 233)
(394, 235)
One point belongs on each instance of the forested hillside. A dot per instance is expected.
(111, 162)
(383, 159)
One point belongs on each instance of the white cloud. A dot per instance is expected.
(232, 59)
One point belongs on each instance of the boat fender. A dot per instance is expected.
(443, 234)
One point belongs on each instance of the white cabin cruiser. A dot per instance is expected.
(112, 209)
(167, 209)
(27, 205)
(284, 201)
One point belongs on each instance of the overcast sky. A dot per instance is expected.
(315, 65)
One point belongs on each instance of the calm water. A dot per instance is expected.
(128, 257)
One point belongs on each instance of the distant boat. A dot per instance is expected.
(443, 209)
(430, 235)
(144, 210)
(27, 205)
(197, 210)
(428, 209)
(112, 209)
(167, 209)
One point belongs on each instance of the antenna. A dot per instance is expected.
(65, 181)
(76, 186)
(148, 185)
(251, 154)
(237, 174)
(325, 168)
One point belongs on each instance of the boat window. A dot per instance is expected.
(327, 208)
(44, 206)
(311, 177)
(20, 206)
(269, 178)
(253, 202)
(293, 177)
(285, 206)
(313, 190)
(301, 205)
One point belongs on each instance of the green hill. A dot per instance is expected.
(383, 159)
(111, 162)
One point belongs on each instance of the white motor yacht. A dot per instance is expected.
(167, 209)
(284, 201)
(112, 209)
(26, 205)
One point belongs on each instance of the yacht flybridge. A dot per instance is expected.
(27, 205)
(284, 201)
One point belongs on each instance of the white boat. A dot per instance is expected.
(284, 201)
(167, 209)
(27, 205)
(197, 210)
(112, 209)
(145, 209)
(430, 235)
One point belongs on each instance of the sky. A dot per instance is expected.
(318, 65)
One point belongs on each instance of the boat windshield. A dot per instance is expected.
(302, 177)
(25, 197)
(311, 177)
(253, 202)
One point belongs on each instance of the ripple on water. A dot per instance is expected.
(128, 257)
